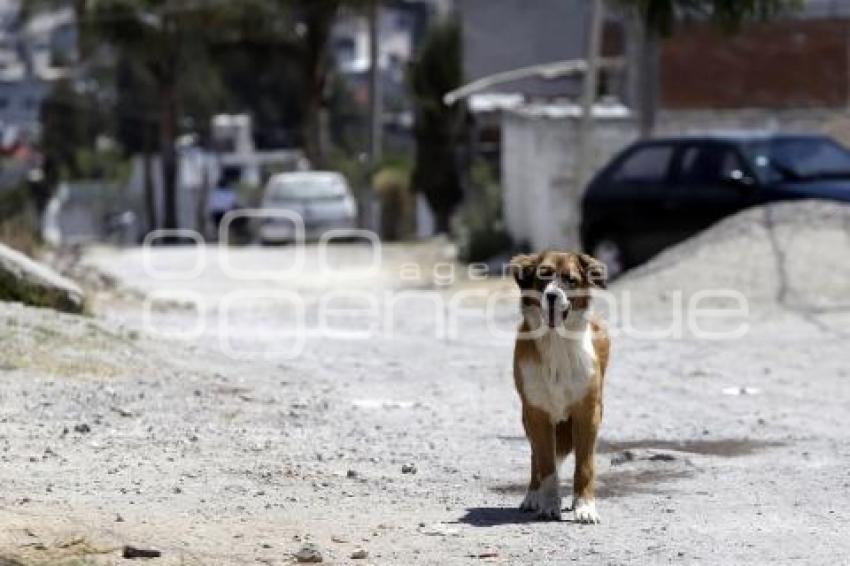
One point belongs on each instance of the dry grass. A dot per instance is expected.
(17, 232)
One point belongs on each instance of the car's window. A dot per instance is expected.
(799, 158)
(305, 189)
(708, 164)
(648, 164)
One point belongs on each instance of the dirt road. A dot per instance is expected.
(394, 428)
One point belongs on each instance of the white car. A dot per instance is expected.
(322, 199)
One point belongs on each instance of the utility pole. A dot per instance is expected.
(588, 97)
(375, 100)
(647, 80)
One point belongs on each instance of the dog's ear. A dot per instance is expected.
(595, 271)
(523, 268)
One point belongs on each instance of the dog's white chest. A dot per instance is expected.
(562, 376)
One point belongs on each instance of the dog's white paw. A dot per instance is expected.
(531, 501)
(585, 511)
(549, 500)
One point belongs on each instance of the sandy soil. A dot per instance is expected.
(113, 433)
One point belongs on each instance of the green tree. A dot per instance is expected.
(152, 34)
(438, 70)
(162, 37)
(171, 60)
(71, 121)
(660, 16)
(275, 55)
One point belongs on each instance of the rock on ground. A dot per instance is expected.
(32, 283)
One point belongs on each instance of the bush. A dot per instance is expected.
(18, 228)
(392, 187)
(479, 225)
(17, 233)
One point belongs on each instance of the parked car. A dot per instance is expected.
(658, 192)
(322, 199)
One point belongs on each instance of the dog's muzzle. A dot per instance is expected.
(557, 306)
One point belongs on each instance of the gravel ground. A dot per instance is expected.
(404, 442)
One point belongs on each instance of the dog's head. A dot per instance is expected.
(556, 285)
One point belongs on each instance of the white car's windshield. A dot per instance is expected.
(324, 188)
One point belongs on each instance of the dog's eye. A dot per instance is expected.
(545, 273)
(571, 281)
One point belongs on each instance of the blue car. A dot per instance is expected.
(659, 192)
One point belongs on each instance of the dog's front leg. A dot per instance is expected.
(586, 422)
(546, 498)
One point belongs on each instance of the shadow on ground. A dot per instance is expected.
(727, 447)
(495, 516)
(621, 482)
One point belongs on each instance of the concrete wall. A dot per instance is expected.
(781, 64)
(541, 201)
(834, 122)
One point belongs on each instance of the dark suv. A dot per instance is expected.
(658, 192)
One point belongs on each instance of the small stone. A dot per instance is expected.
(122, 412)
(662, 458)
(82, 428)
(351, 474)
(360, 554)
(408, 469)
(622, 457)
(309, 553)
(131, 552)
(119, 518)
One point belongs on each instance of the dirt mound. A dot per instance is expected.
(795, 254)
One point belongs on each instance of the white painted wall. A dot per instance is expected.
(541, 201)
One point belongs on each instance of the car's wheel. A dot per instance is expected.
(609, 251)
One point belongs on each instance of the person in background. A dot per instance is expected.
(223, 197)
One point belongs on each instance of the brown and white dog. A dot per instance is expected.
(559, 366)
